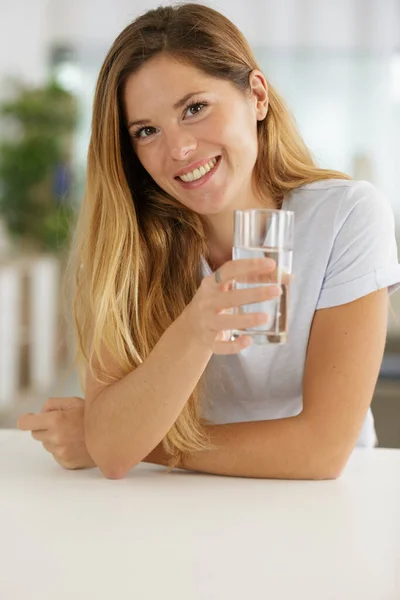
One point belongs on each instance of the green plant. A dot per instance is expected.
(35, 174)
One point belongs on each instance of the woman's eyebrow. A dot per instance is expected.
(185, 98)
(177, 105)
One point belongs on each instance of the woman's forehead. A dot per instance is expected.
(163, 81)
(164, 69)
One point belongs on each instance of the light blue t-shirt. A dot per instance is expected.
(344, 248)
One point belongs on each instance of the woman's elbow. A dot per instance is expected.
(109, 466)
(329, 470)
(106, 466)
(327, 475)
(112, 472)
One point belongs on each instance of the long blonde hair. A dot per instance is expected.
(136, 252)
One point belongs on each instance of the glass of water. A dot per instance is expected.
(265, 233)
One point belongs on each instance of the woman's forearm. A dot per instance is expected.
(275, 449)
(129, 418)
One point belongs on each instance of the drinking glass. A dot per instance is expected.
(265, 233)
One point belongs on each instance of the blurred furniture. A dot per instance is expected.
(386, 410)
(190, 536)
(386, 401)
(30, 311)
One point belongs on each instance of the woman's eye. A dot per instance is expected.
(194, 109)
(144, 132)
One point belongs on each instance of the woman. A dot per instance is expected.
(180, 88)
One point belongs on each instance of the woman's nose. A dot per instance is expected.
(181, 144)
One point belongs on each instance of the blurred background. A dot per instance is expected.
(337, 64)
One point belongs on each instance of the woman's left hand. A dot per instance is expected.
(61, 430)
(60, 427)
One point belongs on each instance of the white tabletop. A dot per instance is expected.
(74, 535)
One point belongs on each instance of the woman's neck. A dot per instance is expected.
(219, 232)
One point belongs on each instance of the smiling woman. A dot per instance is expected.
(185, 130)
(215, 129)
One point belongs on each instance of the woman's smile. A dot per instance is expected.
(200, 129)
(200, 175)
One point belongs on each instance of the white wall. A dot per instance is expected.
(24, 40)
(28, 26)
(293, 23)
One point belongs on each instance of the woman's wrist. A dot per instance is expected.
(186, 321)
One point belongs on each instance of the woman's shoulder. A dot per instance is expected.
(336, 196)
(338, 187)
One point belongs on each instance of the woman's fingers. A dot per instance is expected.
(49, 440)
(232, 347)
(259, 270)
(62, 403)
(235, 298)
(236, 269)
(276, 276)
(62, 453)
(51, 419)
(222, 291)
(225, 321)
(52, 448)
(32, 422)
(60, 429)
(40, 435)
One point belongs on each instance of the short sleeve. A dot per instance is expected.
(363, 258)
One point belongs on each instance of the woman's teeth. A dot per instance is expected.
(200, 172)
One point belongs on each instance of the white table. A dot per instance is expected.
(73, 535)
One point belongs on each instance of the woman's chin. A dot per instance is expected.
(210, 207)
(211, 203)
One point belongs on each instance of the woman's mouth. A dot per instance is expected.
(201, 175)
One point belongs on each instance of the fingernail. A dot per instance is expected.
(268, 264)
(276, 291)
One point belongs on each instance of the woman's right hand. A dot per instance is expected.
(205, 313)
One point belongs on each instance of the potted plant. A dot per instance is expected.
(36, 201)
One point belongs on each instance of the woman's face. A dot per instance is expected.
(194, 134)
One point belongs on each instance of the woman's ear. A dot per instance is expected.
(259, 91)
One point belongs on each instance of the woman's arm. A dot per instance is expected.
(126, 420)
(343, 361)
